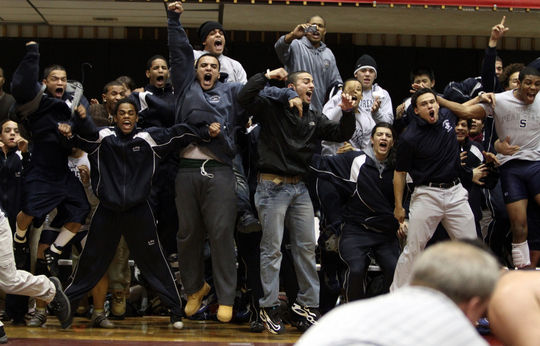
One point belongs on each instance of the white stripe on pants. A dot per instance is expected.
(15, 281)
(429, 206)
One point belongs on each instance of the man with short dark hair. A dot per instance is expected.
(205, 194)
(428, 150)
(112, 92)
(517, 117)
(48, 183)
(286, 143)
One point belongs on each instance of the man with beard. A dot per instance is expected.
(285, 147)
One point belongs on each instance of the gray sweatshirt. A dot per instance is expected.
(320, 62)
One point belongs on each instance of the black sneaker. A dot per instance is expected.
(21, 251)
(60, 305)
(272, 320)
(52, 258)
(256, 326)
(100, 320)
(304, 317)
(3, 336)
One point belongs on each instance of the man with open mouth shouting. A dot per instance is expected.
(517, 118)
(48, 182)
(286, 144)
(212, 36)
(428, 150)
(205, 183)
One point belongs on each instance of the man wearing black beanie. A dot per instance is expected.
(212, 36)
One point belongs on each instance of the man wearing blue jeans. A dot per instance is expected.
(286, 143)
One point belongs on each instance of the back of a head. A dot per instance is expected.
(458, 269)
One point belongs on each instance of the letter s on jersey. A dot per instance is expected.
(523, 123)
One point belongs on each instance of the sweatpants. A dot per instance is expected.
(138, 227)
(207, 208)
(355, 244)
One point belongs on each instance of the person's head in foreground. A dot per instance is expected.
(451, 286)
(463, 270)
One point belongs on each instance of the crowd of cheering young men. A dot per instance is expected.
(221, 176)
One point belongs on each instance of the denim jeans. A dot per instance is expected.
(280, 206)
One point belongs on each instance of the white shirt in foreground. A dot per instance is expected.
(410, 316)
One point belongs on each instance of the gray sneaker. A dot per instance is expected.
(38, 320)
(101, 321)
(60, 305)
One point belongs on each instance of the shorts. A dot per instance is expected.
(41, 196)
(520, 179)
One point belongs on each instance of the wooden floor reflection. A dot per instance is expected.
(150, 330)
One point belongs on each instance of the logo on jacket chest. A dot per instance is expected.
(214, 99)
(136, 148)
(326, 63)
(447, 126)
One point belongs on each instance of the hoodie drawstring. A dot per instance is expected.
(204, 173)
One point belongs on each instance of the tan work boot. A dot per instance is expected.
(224, 313)
(194, 300)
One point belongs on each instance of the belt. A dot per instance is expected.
(444, 185)
(278, 179)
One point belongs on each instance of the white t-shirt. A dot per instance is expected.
(365, 119)
(518, 121)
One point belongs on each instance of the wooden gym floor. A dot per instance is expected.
(145, 331)
(152, 331)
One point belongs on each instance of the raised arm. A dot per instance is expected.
(282, 95)
(180, 51)
(25, 85)
(463, 111)
(490, 81)
(249, 97)
(283, 44)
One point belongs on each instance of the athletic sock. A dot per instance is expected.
(61, 240)
(20, 235)
(520, 254)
